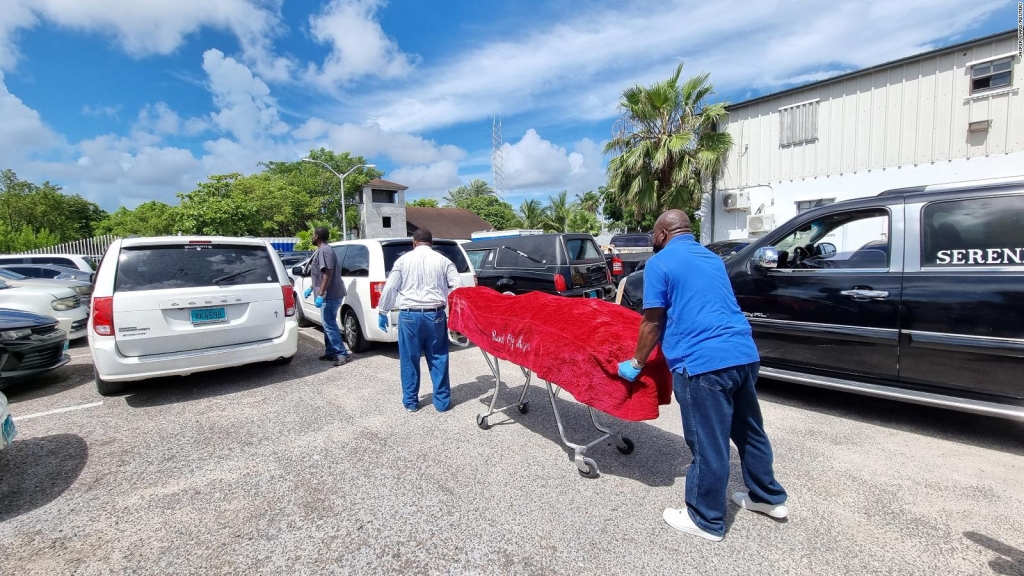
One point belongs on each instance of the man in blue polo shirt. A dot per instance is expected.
(690, 308)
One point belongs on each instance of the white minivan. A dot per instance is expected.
(365, 265)
(176, 305)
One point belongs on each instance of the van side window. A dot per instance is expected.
(582, 250)
(357, 261)
(854, 240)
(973, 232)
(476, 257)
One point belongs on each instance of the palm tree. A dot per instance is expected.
(583, 221)
(531, 215)
(589, 201)
(667, 144)
(475, 188)
(558, 213)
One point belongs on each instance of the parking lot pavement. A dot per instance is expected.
(308, 468)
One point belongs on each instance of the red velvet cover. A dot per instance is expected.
(575, 343)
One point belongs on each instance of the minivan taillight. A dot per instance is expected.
(289, 300)
(376, 289)
(560, 285)
(103, 315)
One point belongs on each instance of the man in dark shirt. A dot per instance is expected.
(330, 292)
(690, 307)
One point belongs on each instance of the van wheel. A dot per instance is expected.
(106, 388)
(300, 316)
(352, 333)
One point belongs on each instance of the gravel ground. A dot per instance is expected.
(310, 469)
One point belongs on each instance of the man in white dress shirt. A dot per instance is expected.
(419, 284)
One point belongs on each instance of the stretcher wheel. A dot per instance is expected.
(627, 449)
(481, 421)
(591, 472)
(524, 408)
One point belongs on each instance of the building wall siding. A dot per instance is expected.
(899, 126)
(912, 113)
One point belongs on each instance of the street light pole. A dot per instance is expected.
(341, 178)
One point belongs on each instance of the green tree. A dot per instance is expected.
(424, 203)
(666, 144)
(153, 218)
(498, 213)
(583, 221)
(305, 235)
(322, 186)
(589, 201)
(531, 215)
(35, 216)
(474, 189)
(557, 213)
(211, 209)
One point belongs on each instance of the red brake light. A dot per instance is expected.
(616, 265)
(103, 315)
(376, 289)
(560, 285)
(289, 301)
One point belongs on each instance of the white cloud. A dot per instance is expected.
(100, 111)
(429, 179)
(359, 45)
(246, 108)
(370, 140)
(534, 163)
(22, 131)
(576, 68)
(147, 27)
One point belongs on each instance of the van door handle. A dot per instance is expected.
(866, 294)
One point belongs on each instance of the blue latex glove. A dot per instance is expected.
(309, 292)
(382, 322)
(627, 371)
(319, 302)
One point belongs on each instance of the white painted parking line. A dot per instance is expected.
(57, 411)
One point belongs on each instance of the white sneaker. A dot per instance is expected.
(742, 499)
(680, 520)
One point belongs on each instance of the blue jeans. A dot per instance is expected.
(424, 334)
(332, 334)
(717, 406)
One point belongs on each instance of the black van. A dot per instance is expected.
(563, 264)
(915, 294)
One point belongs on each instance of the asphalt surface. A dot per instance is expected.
(310, 469)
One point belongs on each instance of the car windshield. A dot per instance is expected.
(7, 274)
(450, 250)
(192, 265)
(476, 257)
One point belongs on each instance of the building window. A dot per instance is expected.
(991, 75)
(805, 205)
(384, 197)
(387, 222)
(798, 123)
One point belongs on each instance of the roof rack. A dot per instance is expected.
(955, 186)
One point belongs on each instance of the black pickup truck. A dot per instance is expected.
(626, 252)
(915, 294)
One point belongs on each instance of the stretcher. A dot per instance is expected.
(586, 466)
(563, 342)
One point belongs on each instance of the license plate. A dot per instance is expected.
(208, 316)
(591, 294)
(9, 431)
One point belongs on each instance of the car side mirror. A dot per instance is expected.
(766, 258)
(92, 278)
(826, 249)
(297, 271)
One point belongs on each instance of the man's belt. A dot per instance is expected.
(434, 309)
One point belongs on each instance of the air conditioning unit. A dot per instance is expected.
(734, 201)
(761, 223)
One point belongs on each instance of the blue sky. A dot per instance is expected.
(125, 102)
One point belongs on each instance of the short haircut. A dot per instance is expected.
(423, 235)
(322, 233)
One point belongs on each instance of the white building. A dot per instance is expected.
(956, 113)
